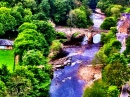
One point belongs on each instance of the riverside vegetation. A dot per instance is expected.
(27, 22)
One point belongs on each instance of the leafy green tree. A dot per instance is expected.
(33, 57)
(44, 7)
(59, 10)
(46, 29)
(116, 10)
(3, 89)
(116, 72)
(43, 77)
(26, 26)
(39, 16)
(113, 47)
(4, 4)
(18, 17)
(98, 89)
(7, 21)
(113, 91)
(100, 58)
(106, 37)
(127, 51)
(31, 4)
(28, 40)
(4, 74)
(77, 18)
(108, 23)
(19, 86)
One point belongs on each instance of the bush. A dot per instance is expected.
(33, 57)
(98, 89)
(55, 48)
(113, 91)
(106, 37)
(77, 18)
(108, 23)
(114, 30)
(75, 34)
(61, 35)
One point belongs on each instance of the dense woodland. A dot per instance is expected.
(27, 22)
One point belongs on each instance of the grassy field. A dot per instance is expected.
(7, 58)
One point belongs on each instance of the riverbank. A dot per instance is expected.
(89, 74)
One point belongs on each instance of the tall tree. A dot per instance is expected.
(116, 72)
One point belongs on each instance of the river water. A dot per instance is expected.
(66, 82)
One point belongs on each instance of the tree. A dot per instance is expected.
(31, 4)
(4, 74)
(77, 18)
(43, 77)
(116, 72)
(7, 21)
(127, 51)
(44, 7)
(108, 23)
(113, 91)
(100, 58)
(98, 89)
(19, 86)
(30, 39)
(33, 57)
(26, 26)
(59, 10)
(3, 89)
(46, 29)
(116, 10)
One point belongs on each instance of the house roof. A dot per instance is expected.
(5, 42)
(124, 20)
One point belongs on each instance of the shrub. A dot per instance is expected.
(77, 18)
(61, 35)
(98, 89)
(108, 23)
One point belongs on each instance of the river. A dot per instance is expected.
(65, 82)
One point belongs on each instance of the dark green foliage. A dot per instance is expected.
(44, 7)
(3, 89)
(113, 47)
(26, 26)
(42, 75)
(33, 57)
(77, 18)
(108, 23)
(116, 70)
(60, 35)
(4, 74)
(127, 51)
(113, 91)
(46, 29)
(114, 30)
(98, 89)
(106, 37)
(28, 40)
(59, 10)
(40, 16)
(7, 21)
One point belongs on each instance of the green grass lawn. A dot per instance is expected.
(7, 58)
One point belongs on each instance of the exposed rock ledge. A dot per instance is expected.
(89, 74)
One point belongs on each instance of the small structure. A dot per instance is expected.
(123, 25)
(6, 44)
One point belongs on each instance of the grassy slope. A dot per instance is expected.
(7, 57)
